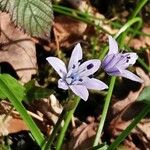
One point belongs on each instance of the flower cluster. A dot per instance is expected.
(77, 76)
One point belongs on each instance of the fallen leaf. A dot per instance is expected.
(119, 105)
(17, 49)
(11, 123)
(82, 137)
(140, 132)
(67, 31)
(143, 41)
(4, 125)
(144, 76)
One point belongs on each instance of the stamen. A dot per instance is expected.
(91, 76)
(80, 80)
(128, 58)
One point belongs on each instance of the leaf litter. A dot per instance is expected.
(18, 49)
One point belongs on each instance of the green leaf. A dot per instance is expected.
(34, 92)
(34, 16)
(2, 95)
(100, 147)
(15, 92)
(12, 85)
(145, 95)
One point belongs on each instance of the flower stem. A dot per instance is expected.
(66, 124)
(145, 66)
(125, 133)
(57, 126)
(105, 110)
(138, 8)
(79, 15)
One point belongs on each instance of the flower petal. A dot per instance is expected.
(94, 84)
(76, 56)
(80, 90)
(113, 46)
(89, 67)
(107, 60)
(62, 84)
(129, 75)
(130, 60)
(58, 65)
(113, 62)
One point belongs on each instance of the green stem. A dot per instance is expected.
(145, 66)
(56, 128)
(121, 33)
(79, 16)
(127, 25)
(118, 25)
(112, 82)
(138, 8)
(127, 131)
(66, 124)
(105, 110)
(122, 30)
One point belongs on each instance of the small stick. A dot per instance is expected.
(32, 114)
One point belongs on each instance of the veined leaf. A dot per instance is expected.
(34, 16)
(2, 95)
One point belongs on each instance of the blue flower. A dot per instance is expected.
(77, 76)
(116, 63)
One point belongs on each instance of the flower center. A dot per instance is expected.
(73, 78)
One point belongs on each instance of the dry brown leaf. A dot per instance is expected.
(121, 104)
(49, 109)
(125, 110)
(17, 49)
(141, 132)
(82, 137)
(16, 125)
(67, 31)
(144, 126)
(4, 125)
(11, 125)
(143, 75)
(128, 145)
(142, 41)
